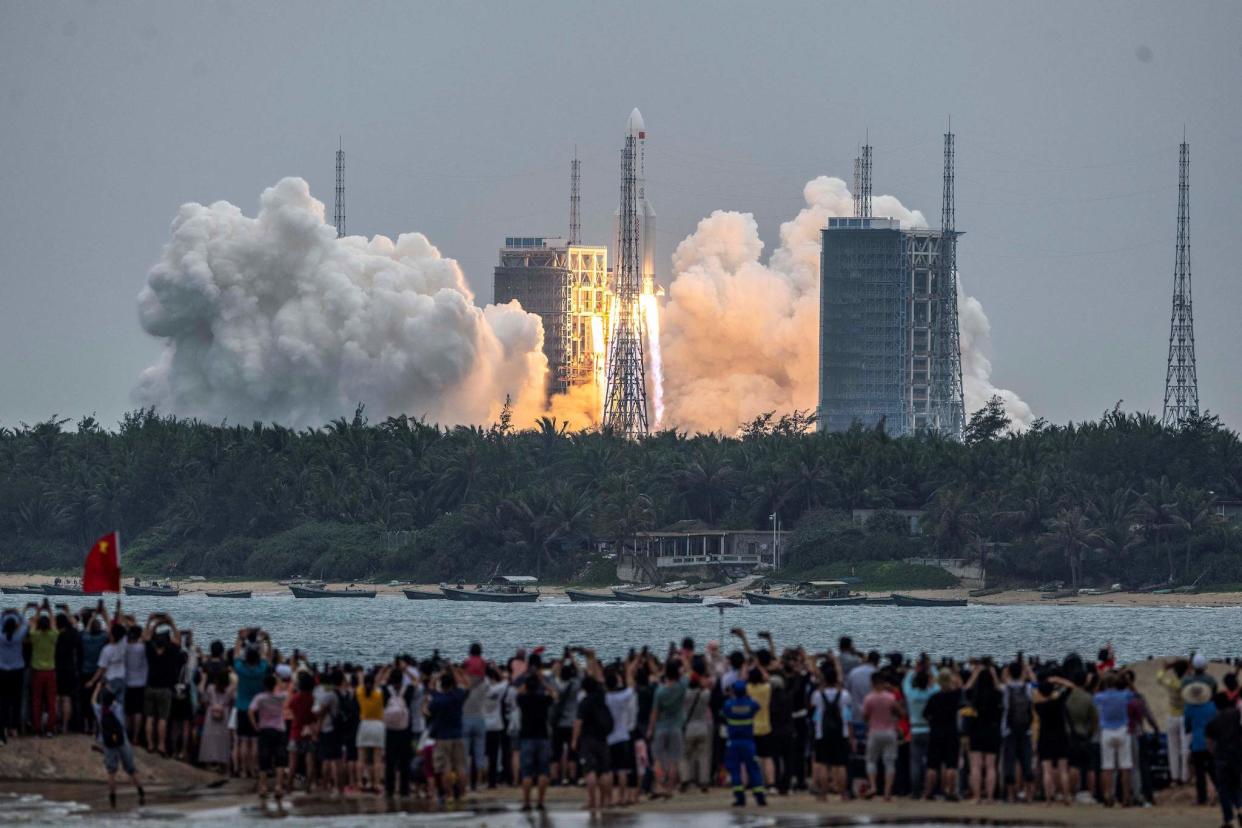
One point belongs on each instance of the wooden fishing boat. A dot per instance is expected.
(1059, 594)
(579, 596)
(505, 589)
(911, 601)
(64, 589)
(809, 594)
(228, 593)
(654, 597)
(421, 595)
(980, 593)
(28, 589)
(315, 592)
(157, 591)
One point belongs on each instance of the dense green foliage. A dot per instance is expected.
(1121, 499)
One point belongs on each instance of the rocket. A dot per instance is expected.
(646, 213)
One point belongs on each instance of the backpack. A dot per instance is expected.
(396, 714)
(1018, 705)
(348, 714)
(833, 723)
(111, 729)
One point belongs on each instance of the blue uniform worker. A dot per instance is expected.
(739, 715)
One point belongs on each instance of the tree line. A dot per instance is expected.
(1121, 499)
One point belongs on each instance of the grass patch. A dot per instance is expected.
(879, 576)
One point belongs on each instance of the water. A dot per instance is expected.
(373, 630)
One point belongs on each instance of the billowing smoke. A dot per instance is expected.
(742, 337)
(274, 318)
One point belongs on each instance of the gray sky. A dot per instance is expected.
(458, 120)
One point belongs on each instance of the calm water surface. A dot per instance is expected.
(375, 629)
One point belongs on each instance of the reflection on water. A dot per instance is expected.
(376, 629)
(31, 809)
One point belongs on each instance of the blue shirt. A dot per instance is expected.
(1111, 705)
(916, 700)
(446, 713)
(249, 681)
(739, 716)
(11, 649)
(92, 645)
(1197, 717)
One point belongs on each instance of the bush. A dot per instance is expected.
(879, 576)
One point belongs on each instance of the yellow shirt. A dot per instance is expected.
(43, 649)
(762, 693)
(371, 707)
(1172, 684)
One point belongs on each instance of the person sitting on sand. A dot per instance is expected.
(110, 714)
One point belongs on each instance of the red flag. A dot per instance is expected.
(102, 572)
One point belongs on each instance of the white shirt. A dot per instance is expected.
(112, 659)
(136, 664)
(623, 705)
(828, 695)
(858, 682)
(492, 718)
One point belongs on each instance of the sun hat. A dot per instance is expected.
(284, 671)
(1197, 692)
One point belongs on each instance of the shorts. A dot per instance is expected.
(450, 757)
(1083, 753)
(272, 755)
(833, 752)
(349, 744)
(562, 741)
(943, 752)
(122, 756)
(536, 758)
(594, 756)
(621, 756)
(882, 749)
(157, 703)
(667, 746)
(765, 746)
(66, 683)
(985, 739)
(370, 734)
(302, 747)
(1115, 753)
(133, 700)
(245, 729)
(182, 710)
(329, 746)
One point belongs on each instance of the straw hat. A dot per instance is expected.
(1197, 692)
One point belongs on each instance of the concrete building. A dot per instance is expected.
(690, 547)
(568, 287)
(879, 318)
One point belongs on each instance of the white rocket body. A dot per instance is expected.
(646, 213)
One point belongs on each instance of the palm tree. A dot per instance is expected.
(1158, 503)
(1193, 513)
(1071, 532)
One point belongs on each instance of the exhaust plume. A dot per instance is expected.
(274, 318)
(742, 337)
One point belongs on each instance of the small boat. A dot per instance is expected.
(722, 603)
(810, 594)
(879, 601)
(1059, 594)
(653, 597)
(64, 589)
(579, 596)
(420, 595)
(28, 589)
(505, 589)
(981, 593)
(159, 591)
(316, 592)
(228, 593)
(911, 601)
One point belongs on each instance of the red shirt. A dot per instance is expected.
(300, 705)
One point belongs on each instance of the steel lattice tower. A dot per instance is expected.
(338, 210)
(625, 403)
(575, 217)
(857, 190)
(949, 407)
(1181, 382)
(863, 200)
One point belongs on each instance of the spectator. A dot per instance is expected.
(1199, 711)
(444, 710)
(881, 711)
(136, 674)
(534, 701)
(1170, 678)
(985, 731)
(1224, 741)
(164, 662)
(68, 659)
(1111, 703)
(667, 723)
(117, 751)
(43, 671)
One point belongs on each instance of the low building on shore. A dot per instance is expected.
(691, 548)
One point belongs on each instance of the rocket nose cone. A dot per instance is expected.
(635, 124)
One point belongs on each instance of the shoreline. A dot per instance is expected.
(1014, 597)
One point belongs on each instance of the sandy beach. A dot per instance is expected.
(1006, 598)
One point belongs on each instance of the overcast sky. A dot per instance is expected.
(459, 119)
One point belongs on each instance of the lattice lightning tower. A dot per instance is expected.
(338, 210)
(864, 182)
(949, 406)
(575, 216)
(625, 403)
(857, 190)
(1181, 382)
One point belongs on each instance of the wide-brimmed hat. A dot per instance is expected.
(1197, 692)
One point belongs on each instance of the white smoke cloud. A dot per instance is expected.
(274, 318)
(742, 337)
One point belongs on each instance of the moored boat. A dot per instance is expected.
(159, 591)
(579, 596)
(422, 595)
(228, 593)
(809, 594)
(1059, 594)
(28, 589)
(315, 592)
(911, 601)
(505, 589)
(66, 589)
(982, 593)
(654, 597)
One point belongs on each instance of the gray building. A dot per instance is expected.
(880, 314)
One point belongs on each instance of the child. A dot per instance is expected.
(267, 714)
(110, 714)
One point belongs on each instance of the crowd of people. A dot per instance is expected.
(765, 721)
